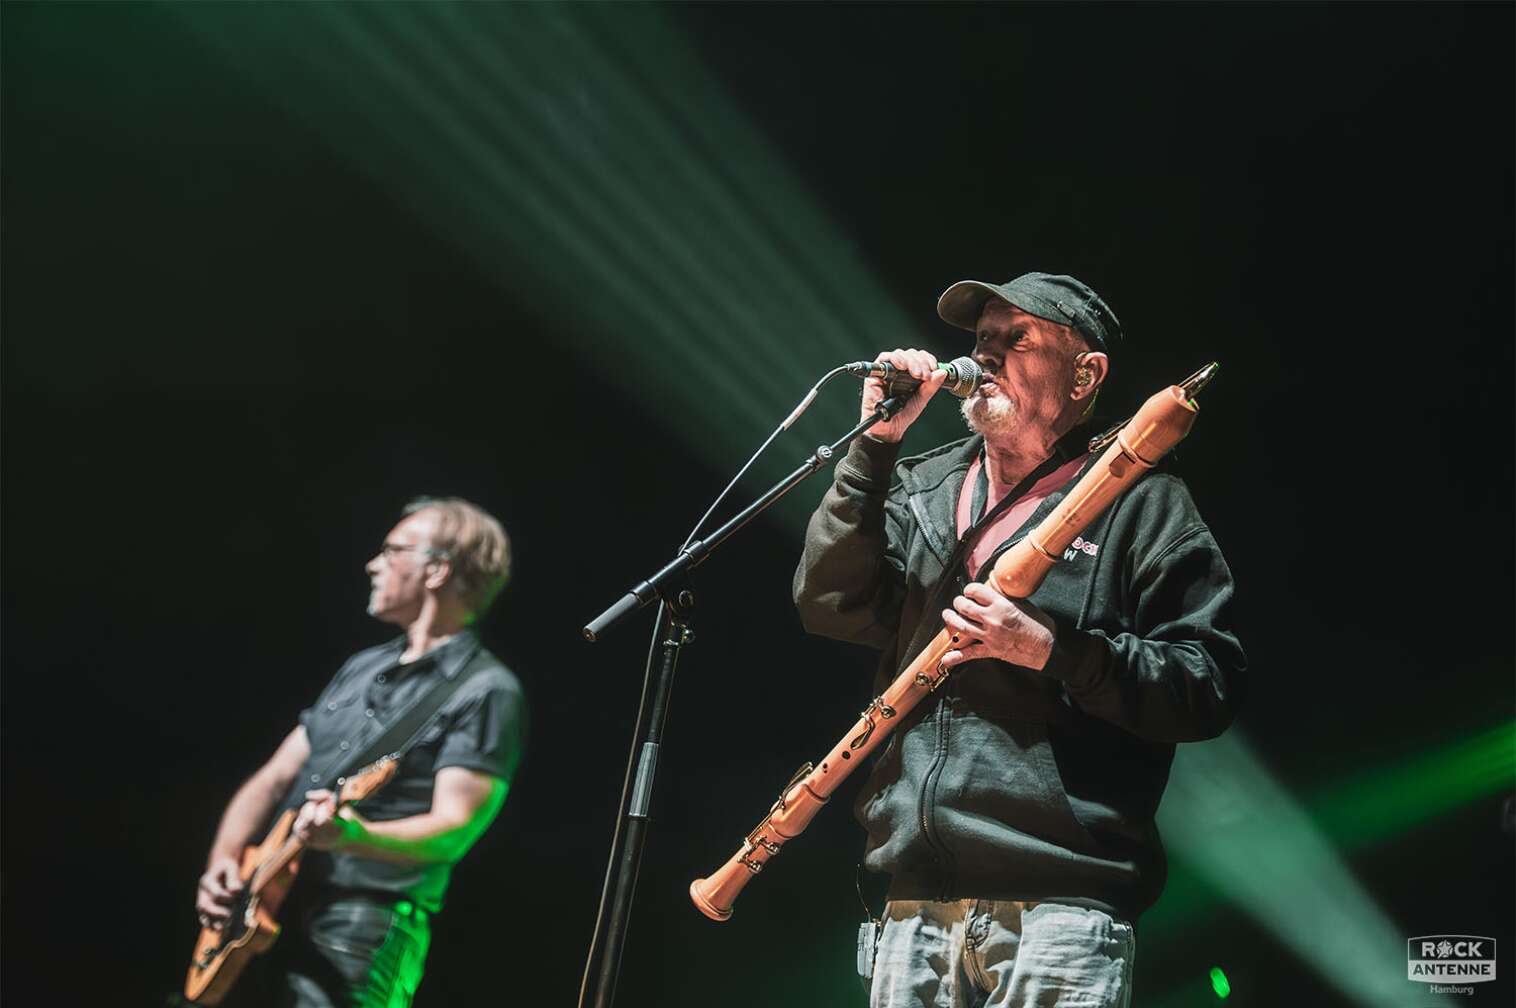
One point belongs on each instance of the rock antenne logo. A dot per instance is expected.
(1444, 958)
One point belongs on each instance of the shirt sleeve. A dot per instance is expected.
(488, 733)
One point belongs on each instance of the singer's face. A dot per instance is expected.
(1028, 372)
(397, 573)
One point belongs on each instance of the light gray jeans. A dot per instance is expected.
(1001, 954)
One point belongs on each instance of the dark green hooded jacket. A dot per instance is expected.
(1009, 783)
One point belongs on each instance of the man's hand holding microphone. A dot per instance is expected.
(922, 367)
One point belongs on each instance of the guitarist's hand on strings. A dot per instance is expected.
(219, 885)
(321, 824)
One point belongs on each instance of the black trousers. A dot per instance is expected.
(346, 950)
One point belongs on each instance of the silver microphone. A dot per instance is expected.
(963, 376)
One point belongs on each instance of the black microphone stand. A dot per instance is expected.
(671, 632)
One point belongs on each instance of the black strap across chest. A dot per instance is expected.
(981, 493)
(406, 724)
(948, 583)
(977, 503)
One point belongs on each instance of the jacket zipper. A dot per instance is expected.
(929, 789)
(941, 855)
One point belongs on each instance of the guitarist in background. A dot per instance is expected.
(356, 928)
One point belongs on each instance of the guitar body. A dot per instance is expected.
(267, 871)
(221, 955)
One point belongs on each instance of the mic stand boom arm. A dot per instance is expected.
(659, 584)
(670, 633)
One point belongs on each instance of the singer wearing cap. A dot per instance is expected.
(1014, 811)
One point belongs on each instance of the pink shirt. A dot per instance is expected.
(1011, 519)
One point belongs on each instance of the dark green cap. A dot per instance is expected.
(1050, 296)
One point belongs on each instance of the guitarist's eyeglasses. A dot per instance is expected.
(391, 550)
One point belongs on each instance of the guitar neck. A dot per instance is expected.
(362, 784)
(269, 868)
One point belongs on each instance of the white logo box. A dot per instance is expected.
(1450, 958)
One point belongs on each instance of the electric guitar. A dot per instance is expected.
(267, 872)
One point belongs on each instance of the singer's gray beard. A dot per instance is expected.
(989, 416)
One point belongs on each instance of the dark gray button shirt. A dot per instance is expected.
(482, 727)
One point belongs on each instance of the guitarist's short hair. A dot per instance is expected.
(474, 542)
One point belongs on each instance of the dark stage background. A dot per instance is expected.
(233, 348)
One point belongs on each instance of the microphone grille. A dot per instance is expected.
(964, 376)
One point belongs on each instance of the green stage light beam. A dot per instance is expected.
(588, 227)
(696, 277)
(1371, 806)
(597, 171)
(1382, 802)
(1240, 831)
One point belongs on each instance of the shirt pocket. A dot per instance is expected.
(335, 705)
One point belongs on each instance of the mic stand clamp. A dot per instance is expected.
(671, 586)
